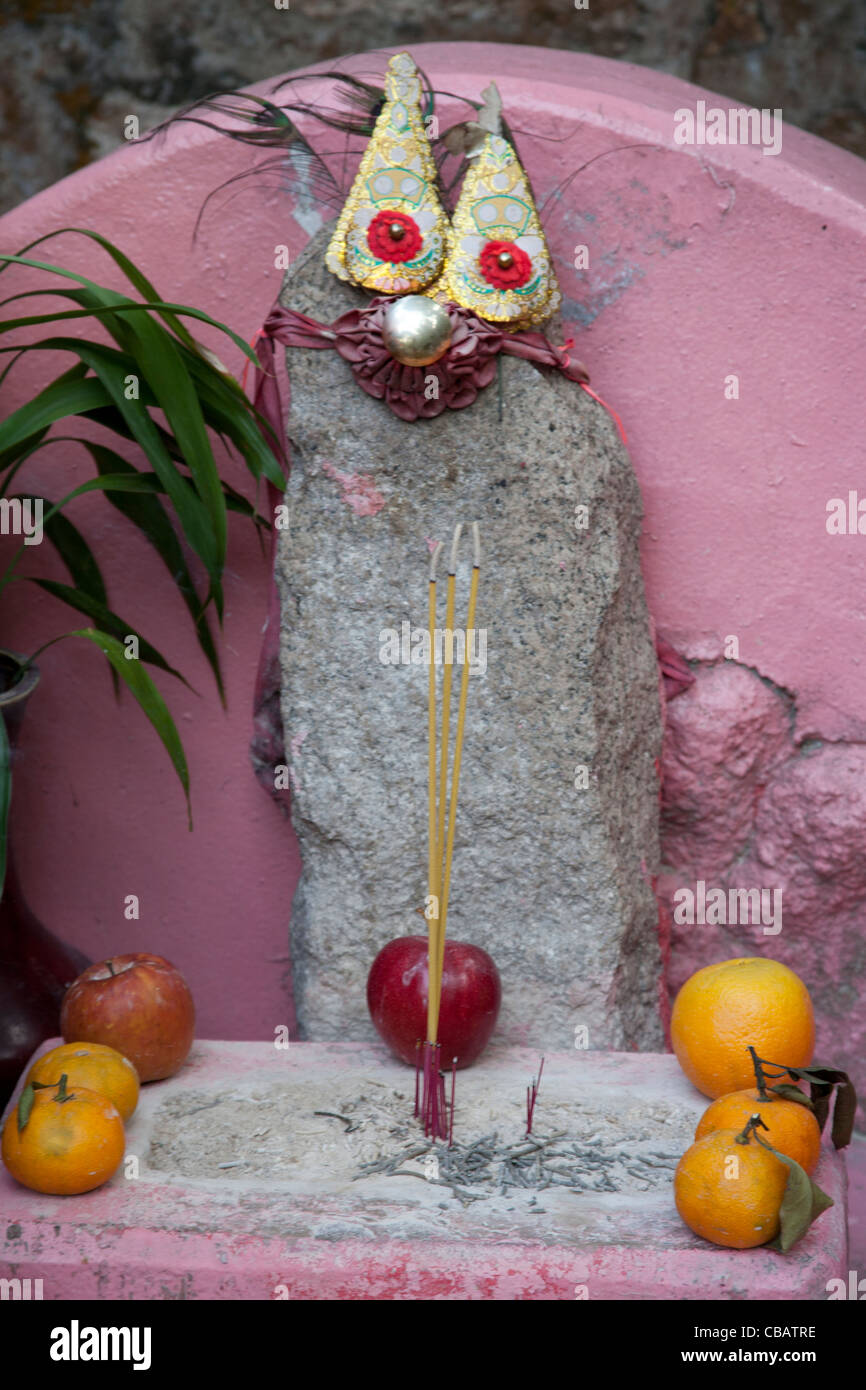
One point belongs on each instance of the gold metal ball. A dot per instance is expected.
(396, 231)
(505, 259)
(416, 330)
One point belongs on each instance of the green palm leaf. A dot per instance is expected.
(136, 277)
(180, 399)
(109, 622)
(63, 397)
(148, 697)
(112, 371)
(75, 553)
(155, 305)
(149, 515)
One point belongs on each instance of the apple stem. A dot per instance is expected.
(532, 1096)
(111, 969)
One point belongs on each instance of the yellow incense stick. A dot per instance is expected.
(443, 768)
(432, 855)
(446, 690)
(458, 755)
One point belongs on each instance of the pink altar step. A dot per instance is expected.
(234, 1187)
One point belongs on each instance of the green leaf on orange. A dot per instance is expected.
(803, 1202)
(844, 1114)
(786, 1092)
(25, 1105)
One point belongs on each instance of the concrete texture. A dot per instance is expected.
(241, 1192)
(747, 805)
(73, 70)
(721, 744)
(856, 1164)
(551, 879)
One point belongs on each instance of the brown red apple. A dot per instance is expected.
(397, 999)
(138, 1004)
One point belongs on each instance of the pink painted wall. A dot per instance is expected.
(703, 262)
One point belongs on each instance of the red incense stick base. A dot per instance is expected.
(430, 1103)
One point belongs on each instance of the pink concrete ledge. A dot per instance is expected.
(243, 1192)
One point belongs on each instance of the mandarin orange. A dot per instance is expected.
(724, 1009)
(791, 1128)
(94, 1066)
(70, 1143)
(730, 1193)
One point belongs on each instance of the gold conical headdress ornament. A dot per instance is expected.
(498, 264)
(391, 233)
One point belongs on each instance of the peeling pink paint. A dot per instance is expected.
(357, 490)
(746, 805)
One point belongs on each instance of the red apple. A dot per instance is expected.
(138, 1004)
(397, 999)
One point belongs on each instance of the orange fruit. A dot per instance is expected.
(730, 1193)
(95, 1066)
(67, 1145)
(791, 1128)
(724, 1009)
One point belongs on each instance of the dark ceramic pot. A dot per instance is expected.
(36, 968)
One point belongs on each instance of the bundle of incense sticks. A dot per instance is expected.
(431, 1104)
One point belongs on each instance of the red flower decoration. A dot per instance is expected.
(505, 277)
(385, 246)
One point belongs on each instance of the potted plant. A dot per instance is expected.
(155, 393)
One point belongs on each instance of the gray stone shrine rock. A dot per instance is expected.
(552, 877)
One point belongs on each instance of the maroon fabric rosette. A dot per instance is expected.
(466, 368)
